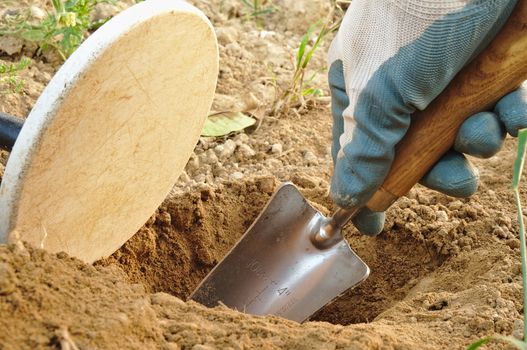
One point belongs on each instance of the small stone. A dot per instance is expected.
(241, 138)
(193, 163)
(310, 158)
(209, 157)
(517, 329)
(165, 218)
(276, 149)
(513, 243)
(172, 346)
(266, 184)
(37, 12)
(305, 181)
(200, 178)
(447, 316)
(237, 175)
(441, 215)
(184, 178)
(7, 279)
(202, 347)
(499, 232)
(226, 150)
(404, 202)
(455, 205)
(246, 150)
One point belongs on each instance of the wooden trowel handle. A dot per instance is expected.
(499, 69)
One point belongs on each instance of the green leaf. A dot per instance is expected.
(303, 44)
(477, 344)
(224, 123)
(520, 158)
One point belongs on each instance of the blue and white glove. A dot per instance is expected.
(391, 58)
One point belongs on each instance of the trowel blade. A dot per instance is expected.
(274, 269)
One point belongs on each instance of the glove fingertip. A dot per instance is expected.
(512, 110)
(481, 135)
(368, 222)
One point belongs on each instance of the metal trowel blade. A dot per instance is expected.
(274, 269)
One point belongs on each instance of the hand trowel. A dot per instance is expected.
(293, 260)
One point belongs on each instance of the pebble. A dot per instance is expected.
(455, 205)
(209, 157)
(305, 181)
(241, 138)
(226, 150)
(200, 178)
(441, 215)
(202, 347)
(499, 232)
(404, 202)
(517, 329)
(165, 218)
(172, 346)
(236, 175)
(310, 158)
(513, 243)
(193, 163)
(266, 184)
(37, 12)
(246, 150)
(184, 177)
(277, 148)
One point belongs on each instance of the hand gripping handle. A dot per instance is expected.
(498, 70)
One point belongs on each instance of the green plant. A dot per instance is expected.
(62, 30)
(299, 88)
(516, 177)
(9, 79)
(254, 9)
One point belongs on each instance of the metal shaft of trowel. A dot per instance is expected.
(9, 129)
(330, 230)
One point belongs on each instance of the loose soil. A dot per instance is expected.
(445, 271)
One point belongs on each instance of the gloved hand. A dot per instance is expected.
(391, 58)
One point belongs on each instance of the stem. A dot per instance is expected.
(523, 258)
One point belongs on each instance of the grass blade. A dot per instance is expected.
(520, 159)
(516, 176)
(479, 343)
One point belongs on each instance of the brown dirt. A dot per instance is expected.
(445, 271)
